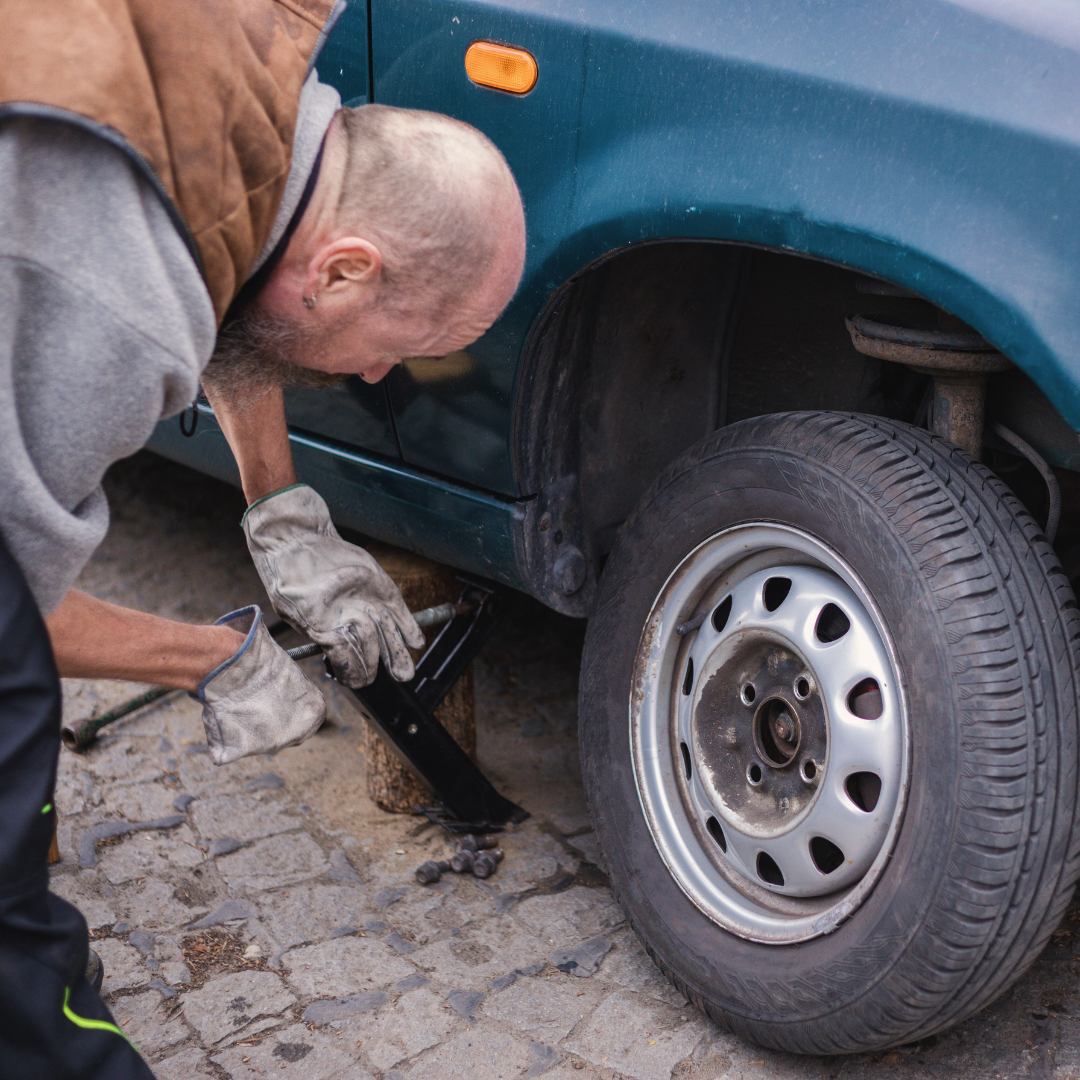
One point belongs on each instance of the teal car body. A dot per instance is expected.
(663, 149)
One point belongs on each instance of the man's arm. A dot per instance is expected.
(329, 589)
(259, 440)
(92, 639)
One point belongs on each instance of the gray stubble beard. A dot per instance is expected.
(254, 354)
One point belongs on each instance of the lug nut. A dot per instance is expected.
(484, 864)
(462, 861)
(469, 842)
(429, 872)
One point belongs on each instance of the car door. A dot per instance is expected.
(454, 416)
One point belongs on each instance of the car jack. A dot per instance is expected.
(404, 713)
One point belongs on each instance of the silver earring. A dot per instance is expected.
(309, 301)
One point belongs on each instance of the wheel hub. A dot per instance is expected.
(751, 736)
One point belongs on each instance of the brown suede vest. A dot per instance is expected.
(205, 92)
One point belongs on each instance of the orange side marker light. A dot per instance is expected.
(500, 67)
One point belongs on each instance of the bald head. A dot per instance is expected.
(412, 244)
(438, 199)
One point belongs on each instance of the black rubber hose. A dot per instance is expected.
(1053, 515)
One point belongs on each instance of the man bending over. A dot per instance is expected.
(166, 170)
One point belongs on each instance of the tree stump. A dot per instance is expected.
(423, 584)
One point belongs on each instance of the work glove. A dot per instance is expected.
(257, 701)
(331, 590)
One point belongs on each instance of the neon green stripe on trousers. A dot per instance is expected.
(90, 1025)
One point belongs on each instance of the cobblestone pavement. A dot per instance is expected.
(262, 919)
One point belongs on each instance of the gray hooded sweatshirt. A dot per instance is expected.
(105, 328)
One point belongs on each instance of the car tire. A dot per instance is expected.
(953, 881)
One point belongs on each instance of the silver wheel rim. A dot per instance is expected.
(770, 737)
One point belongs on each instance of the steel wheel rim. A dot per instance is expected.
(811, 724)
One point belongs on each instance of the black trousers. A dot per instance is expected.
(53, 1026)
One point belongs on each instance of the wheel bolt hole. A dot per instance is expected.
(754, 774)
(685, 759)
(688, 679)
(775, 592)
(826, 855)
(716, 833)
(864, 790)
(865, 700)
(809, 770)
(832, 624)
(768, 871)
(721, 615)
(748, 694)
(802, 687)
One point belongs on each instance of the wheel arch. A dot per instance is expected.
(610, 389)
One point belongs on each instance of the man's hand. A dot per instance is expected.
(258, 700)
(331, 590)
(254, 697)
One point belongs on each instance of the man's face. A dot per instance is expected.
(372, 343)
(261, 351)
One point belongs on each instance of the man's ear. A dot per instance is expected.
(347, 261)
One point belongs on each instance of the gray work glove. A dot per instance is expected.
(258, 700)
(331, 590)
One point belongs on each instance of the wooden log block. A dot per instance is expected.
(423, 584)
(54, 847)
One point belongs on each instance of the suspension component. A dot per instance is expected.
(957, 360)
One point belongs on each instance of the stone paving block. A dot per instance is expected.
(453, 903)
(309, 913)
(139, 802)
(383, 898)
(323, 1012)
(415, 1022)
(229, 911)
(485, 950)
(149, 853)
(342, 870)
(344, 966)
(174, 973)
(151, 905)
(541, 1059)
(124, 967)
(465, 1003)
(146, 1021)
(198, 774)
(629, 965)
(277, 860)
(476, 1052)
(532, 856)
(637, 1037)
(125, 759)
(229, 1003)
(83, 890)
(294, 1052)
(245, 817)
(546, 1010)
(265, 782)
(184, 1066)
(711, 1060)
(73, 791)
(565, 918)
(581, 960)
